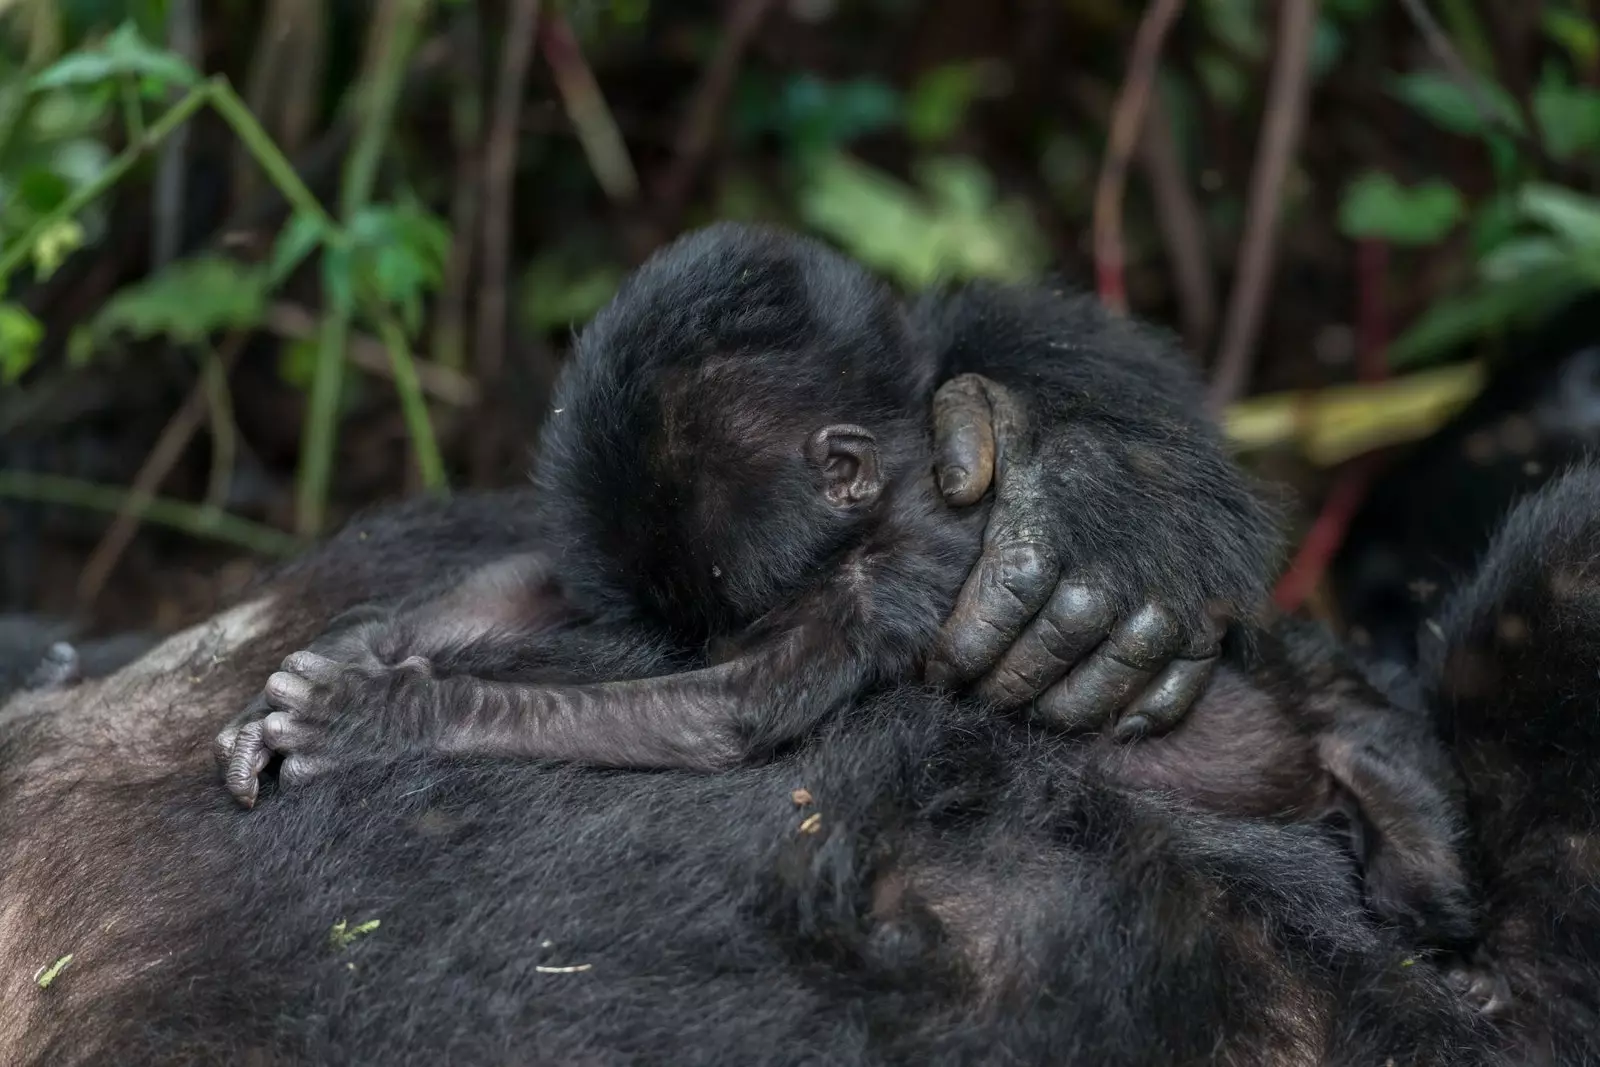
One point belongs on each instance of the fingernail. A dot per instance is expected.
(953, 480)
(1130, 727)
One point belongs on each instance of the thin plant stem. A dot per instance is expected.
(194, 519)
(13, 257)
(430, 464)
(390, 49)
(217, 93)
(224, 431)
(132, 110)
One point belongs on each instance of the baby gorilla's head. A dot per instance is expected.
(735, 416)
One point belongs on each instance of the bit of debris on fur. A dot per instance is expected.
(801, 797)
(812, 824)
(341, 935)
(45, 975)
(1407, 962)
(575, 969)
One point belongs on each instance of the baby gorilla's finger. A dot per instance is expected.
(963, 440)
(298, 770)
(319, 670)
(288, 692)
(1103, 683)
(283, 733)
(1004, 591)
(222, 746)
(1073, 621)
(249, 759)
(1166, 700)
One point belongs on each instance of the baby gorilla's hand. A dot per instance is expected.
(319, 714)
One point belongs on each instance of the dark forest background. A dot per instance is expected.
(263, 263)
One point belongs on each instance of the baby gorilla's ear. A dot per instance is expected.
(846, 459)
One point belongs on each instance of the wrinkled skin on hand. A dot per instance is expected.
(344, 695)
(1031, 624)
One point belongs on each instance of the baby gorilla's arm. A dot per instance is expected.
(422, 679)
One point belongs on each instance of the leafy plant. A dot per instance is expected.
(953, 226)
(1554, 257)
(1375, 205)
(380, 263)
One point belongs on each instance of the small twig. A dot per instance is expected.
(586, 106)
(284, 82)
(499, 163)
(224, 432)
(132, 109)
(367, 353)
(1327, 532)
(168, 200)
(176, 514)
(1438, 43)
(466, 131)
(1280, 134)
(1127, 119)
(1183, 229)
(174, 438)
(710, 100)
(1344, 499)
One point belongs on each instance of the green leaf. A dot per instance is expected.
(398, 255)
(1222, 79)
(1453, 322)
(1521, 256)
(1494, 222)
(1573, 217)
(1237, 24)
(52, 247)
(20, 334)
(1327, 45)
(296, 242)
(80, 347)
(951, 227)
(1375, 205)
(188, 301)
(124, 53)
(939, 101)
(1569, 118)
(1450, 105)
(1575, 32)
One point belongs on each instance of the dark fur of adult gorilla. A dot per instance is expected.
(970, 891)
(1513, 674)
(923, 883)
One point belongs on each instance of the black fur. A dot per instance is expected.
(1514, 673)
(974, 891)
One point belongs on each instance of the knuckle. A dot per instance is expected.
(278, 730)
(1026, 563)
(1007, 687)
(222, 745)
(1148, 636)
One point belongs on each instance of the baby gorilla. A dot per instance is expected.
(739, 489)
(737, 474)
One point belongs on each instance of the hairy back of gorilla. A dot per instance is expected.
(956, 886)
